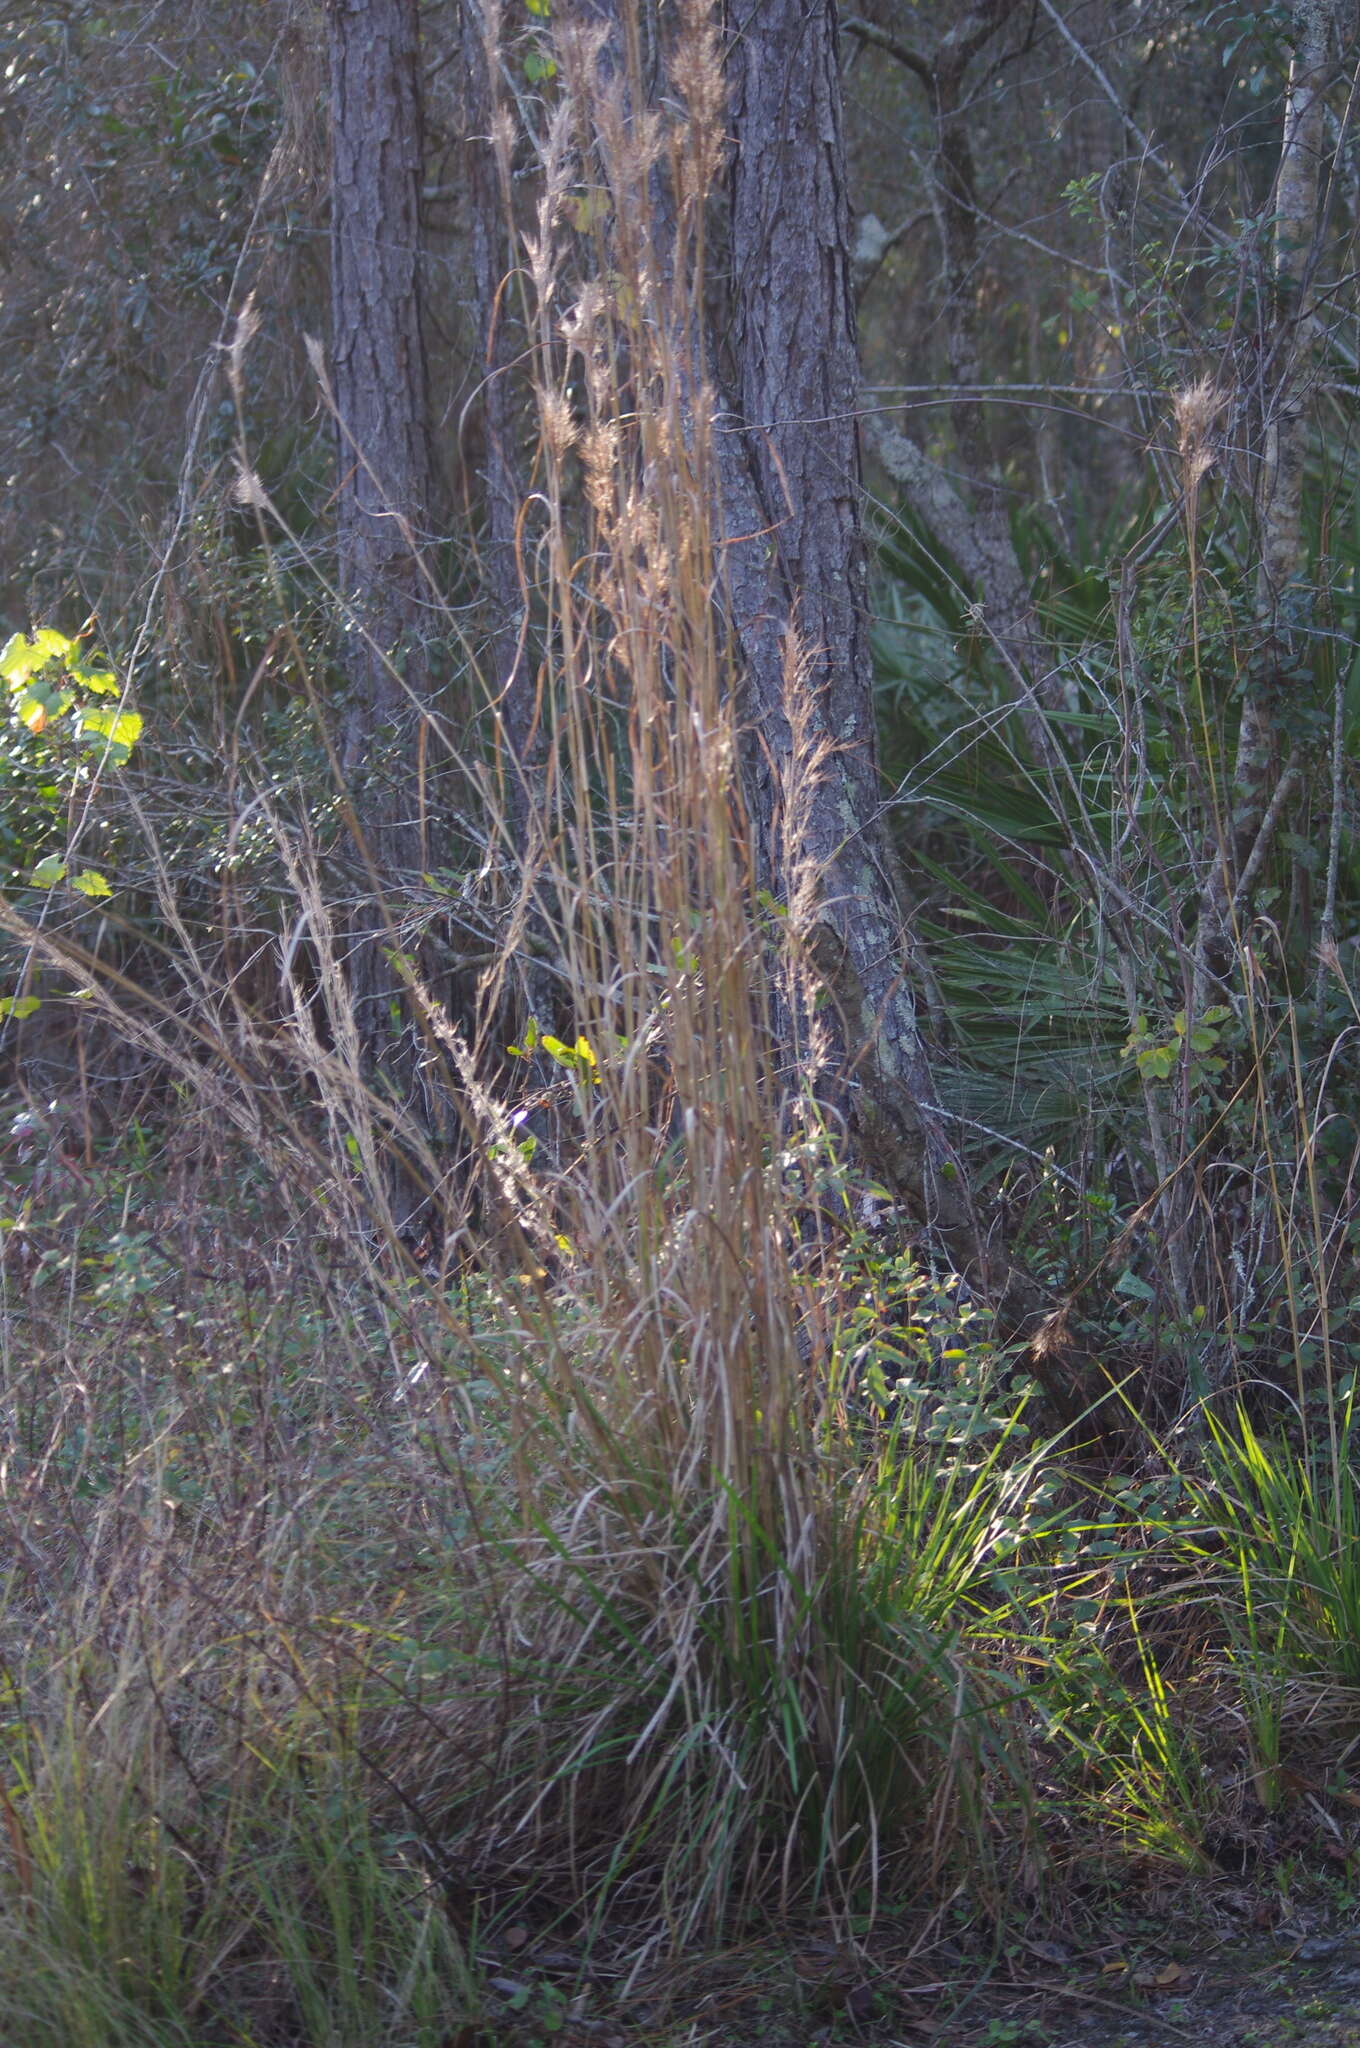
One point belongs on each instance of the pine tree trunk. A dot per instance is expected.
(488, 175)
(795, 554)
(518, 734)
(383, 492)
(793, 565)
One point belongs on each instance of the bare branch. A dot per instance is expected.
(879, 38)
(1102, 78)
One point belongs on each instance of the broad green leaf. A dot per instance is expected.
(99, 680)
(19, 1006)
(121, 730)
(40, 703)
(48, 872)
(20, 657)
(91, 883)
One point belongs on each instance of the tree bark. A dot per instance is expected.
(489, 204)
(1260, 786)
(794, 556)
(791, 586)
(383, 491)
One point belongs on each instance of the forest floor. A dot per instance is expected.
(1304, 1995)
(1259, 1991)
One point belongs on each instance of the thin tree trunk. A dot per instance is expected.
(383, 492)
(1004, 588)
(1282, 598)
(977, 534)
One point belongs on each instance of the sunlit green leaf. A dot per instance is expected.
(14, 665)
(19, 1006)
(40, 703)
(120, 730)
(48, 872)
(20, 657)
(99, 680)
(91, 883)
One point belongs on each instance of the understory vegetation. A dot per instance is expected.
(637, 1588)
